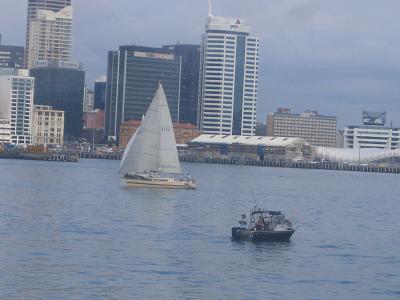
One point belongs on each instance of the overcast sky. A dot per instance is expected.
(338, 57)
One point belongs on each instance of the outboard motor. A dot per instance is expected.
(236, 231)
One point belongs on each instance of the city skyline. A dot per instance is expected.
(329, 57)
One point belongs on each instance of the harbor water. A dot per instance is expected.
(73, 231)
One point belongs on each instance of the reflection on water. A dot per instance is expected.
(75, 231)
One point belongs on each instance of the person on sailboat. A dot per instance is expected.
(188, 177)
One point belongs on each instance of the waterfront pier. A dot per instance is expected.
(375, 168)
(104, 155)
(61, 156)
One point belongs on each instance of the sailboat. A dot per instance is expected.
(152, 151)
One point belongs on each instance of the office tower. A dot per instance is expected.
(316, 129)
(11, 56)
(100, 87)
(229, 77)
(372, 134)
(33, 7)
(189, 91)
(61, 85)
(16, 102)
(50, 37)
(47, 125)
(133, 75)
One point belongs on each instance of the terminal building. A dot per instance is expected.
(316, 129)
(372, 134)
(256, 148)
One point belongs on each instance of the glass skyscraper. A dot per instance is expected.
(189, 97)
(61, 85)
(132, 79)
(229, 78)
(100, 88)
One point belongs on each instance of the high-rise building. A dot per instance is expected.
(373, 134)
(61, 85)
(229, 77)
(100, 88)
(88, 99)
(16, 103)
(33, 7)
(50, 36)
(316, 129)
(11, 56)
(133, 75)
(189, 90)
(47, 125)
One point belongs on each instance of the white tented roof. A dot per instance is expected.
(341, 155)
(247, 140)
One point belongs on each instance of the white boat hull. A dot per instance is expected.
(166, 183)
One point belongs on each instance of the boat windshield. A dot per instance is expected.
(278, 219)
(267, 216)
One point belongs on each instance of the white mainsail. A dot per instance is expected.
(153, 146)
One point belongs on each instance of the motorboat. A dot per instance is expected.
(264, 226)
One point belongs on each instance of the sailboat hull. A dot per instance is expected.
(166, 183)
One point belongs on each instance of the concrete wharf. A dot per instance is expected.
(56, 156)
(375, 168)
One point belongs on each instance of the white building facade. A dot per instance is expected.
(5, 131)
(16, 105)
(369, 136)
(316, 129)
(50, 36)
(47, 125)
(228, 78)
(33, 7)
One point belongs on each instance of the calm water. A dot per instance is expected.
(73, 231)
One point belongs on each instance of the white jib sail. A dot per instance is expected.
(152, 147)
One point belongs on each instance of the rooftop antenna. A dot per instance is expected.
(210, 8)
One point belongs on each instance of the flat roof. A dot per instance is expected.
(247, 140)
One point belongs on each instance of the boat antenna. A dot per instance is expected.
(254, 198)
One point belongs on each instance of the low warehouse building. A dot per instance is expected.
(250, 147)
